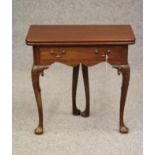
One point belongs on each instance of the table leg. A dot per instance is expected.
(36, 70)
(75, 111)
(125, 71)
(85, 113)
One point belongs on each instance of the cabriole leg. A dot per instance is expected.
(36, 70)
(125, 71)
(75, 110)
(85, 113)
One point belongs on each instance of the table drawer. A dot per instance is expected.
(73, 56)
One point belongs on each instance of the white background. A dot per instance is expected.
(149, 77)
(6, 77)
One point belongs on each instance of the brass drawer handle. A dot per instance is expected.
(108, 51)
(96, 51)
(52, 52)
(56, 54)
(63, 51)
(105, 53)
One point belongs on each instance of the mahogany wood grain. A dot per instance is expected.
(83, 55)
(86, 112)
(36, 70)
(125, 71)
(79, 34)
(76, 45)
(75, 110)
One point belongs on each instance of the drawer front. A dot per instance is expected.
(85, 55)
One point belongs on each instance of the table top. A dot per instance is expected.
(79, 34)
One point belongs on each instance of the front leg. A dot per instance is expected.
(125, 71)
(85, 113)
(36, 70)
(75, 111)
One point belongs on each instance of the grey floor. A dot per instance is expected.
(64, 133)
(67, 134)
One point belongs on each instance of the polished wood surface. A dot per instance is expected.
(125, 71)
(75, 110)
(85, 45)
(79, 34)
(36, 71)
(73, 56)
(86, 112)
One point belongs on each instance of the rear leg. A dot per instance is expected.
(75, 111)
(85, 113)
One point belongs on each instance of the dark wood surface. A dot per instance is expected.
(79, 34)
(75, 110)
(85, 74)
(85, 55)
(88, 45)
